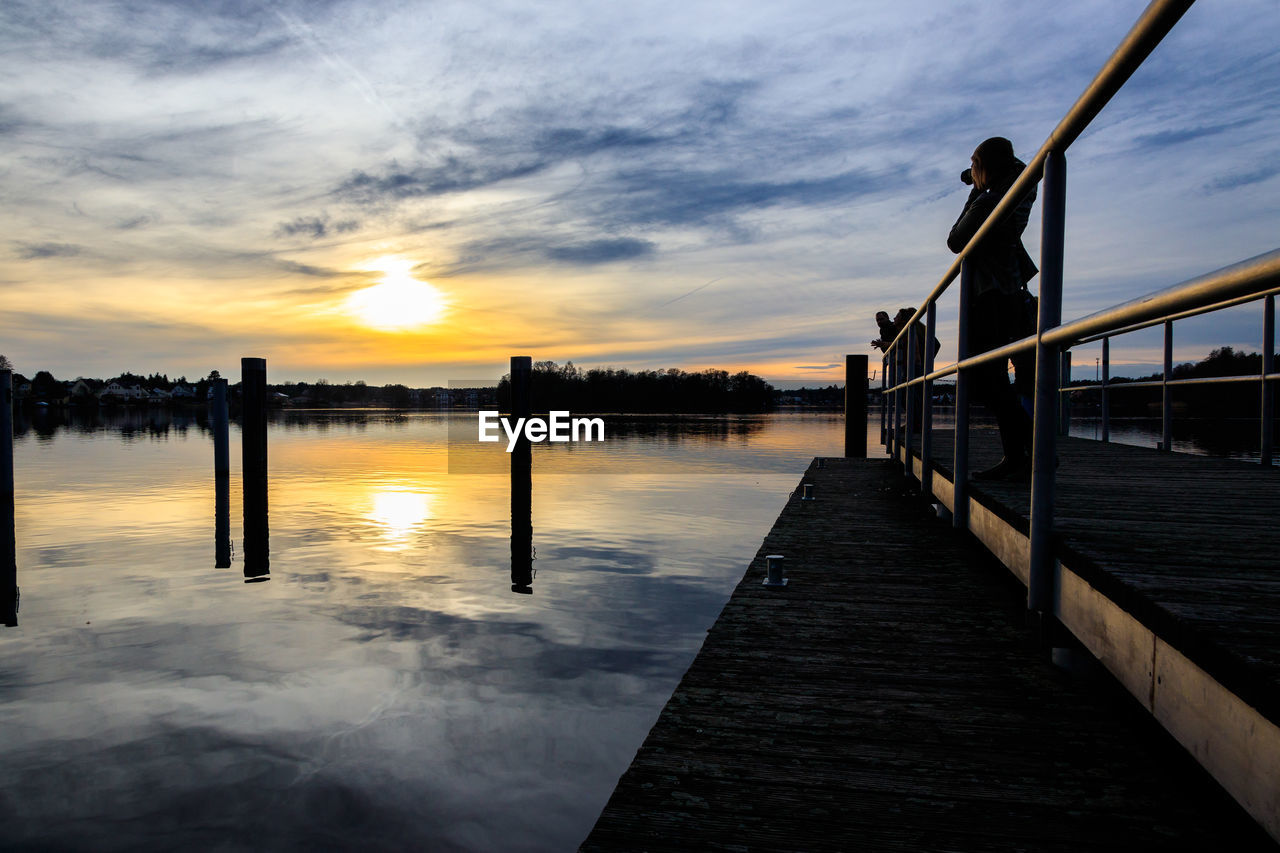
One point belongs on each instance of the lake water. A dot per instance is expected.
(386, 688)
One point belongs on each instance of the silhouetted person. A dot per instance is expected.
(999, 308)
(888, 331)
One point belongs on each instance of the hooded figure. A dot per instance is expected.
(999, 302)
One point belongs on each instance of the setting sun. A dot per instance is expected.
(399, 301)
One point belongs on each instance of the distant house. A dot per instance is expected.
(79, 390)
(183, 392)
(158, 395)
(120, 392)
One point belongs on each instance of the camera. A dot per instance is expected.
(966, 177)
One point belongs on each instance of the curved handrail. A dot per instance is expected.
(1151, 27)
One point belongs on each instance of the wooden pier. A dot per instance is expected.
(891, 697)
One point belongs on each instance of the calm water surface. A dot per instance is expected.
(385, 689)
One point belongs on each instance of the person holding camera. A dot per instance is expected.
(1000, 308)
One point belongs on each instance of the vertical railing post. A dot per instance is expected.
(884, 403)
(1041, 587)
(219, 422)
(1106, 391)
(895, 416)
(960, 457)
(1166, 403)
(8, 538)
(926, 406)
(1064, 397)
(1268, 390)
(253, 448)
(521, 479)
(911, 405)
(855, 406)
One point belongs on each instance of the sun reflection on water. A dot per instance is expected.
(399, 511)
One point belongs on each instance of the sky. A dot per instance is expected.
(416, 191)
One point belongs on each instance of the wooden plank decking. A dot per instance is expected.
(890, 699)
(1188, 544)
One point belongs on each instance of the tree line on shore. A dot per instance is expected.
(554, 386)
(1224, 400)
(605, 389)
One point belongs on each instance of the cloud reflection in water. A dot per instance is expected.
(387, 689)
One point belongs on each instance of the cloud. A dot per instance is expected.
(631, 154)
(315, 227)
(39, 251)
(601, 251)
(134, 222)
(1177, 136)
(531, 250)
(309, 270)
(814, 366)
(454, 175)
(159, 38)
(1242, 179)
(699, 197)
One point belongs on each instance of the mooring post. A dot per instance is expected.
(219, 423)
(521, 479)
(9, 556)
(960, 459)
(253, 391)
(855, 406)
(1268, 390)
(1043, 574)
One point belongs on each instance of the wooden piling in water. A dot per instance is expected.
(9, 554)
(855, 406)
(521, 480)
(253, 390)
(221, 475)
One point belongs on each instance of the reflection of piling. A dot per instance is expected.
(855, 406)
(221, 475)
(9, 555)
(521, 480)
(253, 390)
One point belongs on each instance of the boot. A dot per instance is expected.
(1017, 468)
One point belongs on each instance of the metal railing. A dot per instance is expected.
(1265, 376)
(904, 390)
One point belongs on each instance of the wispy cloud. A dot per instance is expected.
(601, 251)
(315, 227)
(1244, 179)
(40, 251)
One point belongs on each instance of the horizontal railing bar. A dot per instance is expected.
(1154, 24)
(1006, 351)
(1195, 312)
(1113, 384)
(1254, 275)
(1158, 383)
